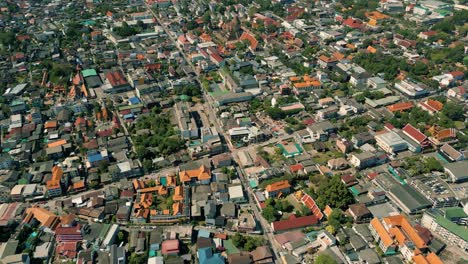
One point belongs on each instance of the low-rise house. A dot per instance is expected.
(201, 175)
(458, 92)
(337, 164)
(236, 194)
(320, 131)
(262, 255)
(246, 223)
(170, 247)
(277, 189)
(359, 213)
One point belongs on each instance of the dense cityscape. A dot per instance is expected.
(235, 131)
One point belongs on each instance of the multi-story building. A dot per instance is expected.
(391, 142)
(363, 160)
(411, 89)
(451, 233)
(54, 187)
(396, 232)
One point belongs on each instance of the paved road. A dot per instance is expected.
(209, 110)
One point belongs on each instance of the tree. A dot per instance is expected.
(334, 193)
(151, 183)
(120, 236)
(324, 259)
(137, 258)
(238, 240)
(275, 113)
(453, 111)
(247, 243)
(330, 229)
(337, 219)
(103, 166)
(7, 38)
(269, 214)
(432, 164)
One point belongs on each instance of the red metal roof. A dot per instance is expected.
(310, 203)
(414, 133)
(116, 78)
(170, 246)
(253, 42)
(352, 23)
(296, 167)
(294, 222)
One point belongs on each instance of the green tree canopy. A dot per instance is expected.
(324, 259)
(334, 193)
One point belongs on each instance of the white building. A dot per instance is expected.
(391, 142)
(450, 232)
(376, 83)
(410, 89)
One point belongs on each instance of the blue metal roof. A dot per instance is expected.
(134, 100)
(95, 157)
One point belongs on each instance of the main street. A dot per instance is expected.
(209, 110)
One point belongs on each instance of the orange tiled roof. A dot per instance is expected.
(375, 15)
(178, 194)
(400, 106)
(327, 211)
(371, 49)
(382, 232)
(433, 258)
(54, 182)
(338, 55)
(435, 104)
(146, 200)
(45, 217)
(410, 232)
(446, 133)
(313, 83)
(200, 174)
(399, 236)
(161, 190)
(171, 180)
(138, 184)
(326, 59)
(176, 208)
(294, 78)
(57, 143)
(253, 42)
(420, 259)
(79, 185)
(50, 124)
(278, 186)
(350, 46)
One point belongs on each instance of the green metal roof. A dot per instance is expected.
(89, 72)
(452, 227)
(454, 212)
(126, 107)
